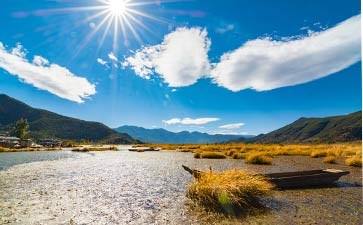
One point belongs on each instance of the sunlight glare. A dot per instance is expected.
(117, 7)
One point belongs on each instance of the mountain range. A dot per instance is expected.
(185, 137)
(46, 124)
(316, 130)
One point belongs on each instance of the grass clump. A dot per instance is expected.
(197, 155)
(354, 161)
(232, 192)
(212, 155)
(238, 156)
(258, 158)
(88, 149)
(330, 160)
(317, 154)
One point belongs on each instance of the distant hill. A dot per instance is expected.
(46, 124)
(317, 130)
(184, 137)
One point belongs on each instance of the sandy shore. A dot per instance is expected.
(149, 188)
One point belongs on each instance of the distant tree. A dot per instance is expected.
(21, 129)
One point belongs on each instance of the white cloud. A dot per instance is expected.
(228, 132)
(45, 76)
(189, 121)
(260, 64)
(112, 57)
(225, 28)
(265, 64)
(232, 126)
(101, 61)
(40, 61)
(181, 59)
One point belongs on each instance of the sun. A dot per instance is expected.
(122, 20)
(117, 7)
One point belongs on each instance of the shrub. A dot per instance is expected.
(212, 155)
(354, 161)
(317, 154)
(239, 156)
(258, 158)
(231, 192)
(231, 152)
(197, 155)
(330, 159)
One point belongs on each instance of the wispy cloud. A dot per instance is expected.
(44, 75)
(189, 121)
(181, 59)
(112, 57)
(101, 61)
(260, 64)
(225, 28)
(232, 126)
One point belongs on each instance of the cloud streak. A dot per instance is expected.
(260, 64)
(232, 126)
(44, 75)
(189, 121)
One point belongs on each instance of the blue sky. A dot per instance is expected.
(231, 67)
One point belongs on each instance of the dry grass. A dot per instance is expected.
(317, 154)
(232, 192)
(2, 149)
(235, 150)
(354, 161)
(330, 160)
(239, 156)
(94, 149)
(197, 155)
(212, 155)
(258, 158)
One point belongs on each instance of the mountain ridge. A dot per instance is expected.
(47, 124)
(160, 135)
(331, 129)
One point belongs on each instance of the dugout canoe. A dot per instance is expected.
(298, 179)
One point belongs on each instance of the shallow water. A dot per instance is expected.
(121, 187)
(9, 159)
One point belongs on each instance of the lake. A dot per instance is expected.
(122, 187)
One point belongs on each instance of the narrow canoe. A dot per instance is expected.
(309, 178)
(299, 179)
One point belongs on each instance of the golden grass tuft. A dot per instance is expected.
(317, 154)
(88, 149)
(354, 161)
(212, 155)
(258, 158)
(239, 156)
(330, 160)
(231, 192)
(197, 155)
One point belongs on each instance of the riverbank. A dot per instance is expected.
(122, 187)
(28, 149)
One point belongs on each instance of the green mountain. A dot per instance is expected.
(46, 124)
(317, 130)
(168, 137)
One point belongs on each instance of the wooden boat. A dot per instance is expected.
(299, 179)
(309, 178)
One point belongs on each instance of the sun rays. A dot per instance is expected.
(118, 20)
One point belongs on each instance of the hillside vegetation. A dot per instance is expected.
(334, 129)
(46, 124)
